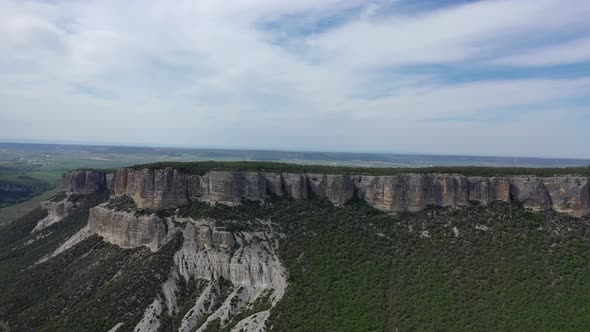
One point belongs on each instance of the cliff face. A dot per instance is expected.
(169, 188)
(126, 229)
(56, 211)
(83, 182)
(233, 269)
(248, 259)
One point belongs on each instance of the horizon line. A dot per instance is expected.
(226, 148)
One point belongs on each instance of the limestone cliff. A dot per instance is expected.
(83, 182)
(126, 229)
(235, 270)
(169, 188)
(56, 211)
(247, 259)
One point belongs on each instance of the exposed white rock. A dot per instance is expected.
(170, 288)
(482, 227)
(56, 211)
(190, 319)
(33, 240)
(254, 323)
(128, 229)
(116, 327)
(209, 253)
(247, 259)
(80, 236)
(425, 234)
(150, 321)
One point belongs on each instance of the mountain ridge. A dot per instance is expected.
(158, 187)
(160, 250)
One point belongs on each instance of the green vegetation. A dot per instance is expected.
(201, 168)
(262, 303)
(122, 203)
(15, 211)
(90, 287)
(16, 185)
(350, 269)
(357, 269)
(187, 294)
(20, 249)
(476, 269)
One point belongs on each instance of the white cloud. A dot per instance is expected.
(446, 35)
(565, 53)
(211, 73)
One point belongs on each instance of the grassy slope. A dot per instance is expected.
(201, 168)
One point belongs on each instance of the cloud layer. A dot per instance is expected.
(483, 77)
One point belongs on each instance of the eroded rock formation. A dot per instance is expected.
(168, 188)
(83, 182)
(56, 211)
(234, 270)
(127, 229)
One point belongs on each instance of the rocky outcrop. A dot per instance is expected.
(415, 192)
(531, 192)
(485, 191)
(210, 255)
(247, 259)
(568, 194)
(168, 188)
(83, 182)
(56, 211)
(152, 189)
(338, 189)
(231, 188)
(127, 229)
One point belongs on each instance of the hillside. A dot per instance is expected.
(99, 261)
(16, 185)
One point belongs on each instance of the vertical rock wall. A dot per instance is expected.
(169, 188)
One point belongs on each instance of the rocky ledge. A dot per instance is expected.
(169, 188)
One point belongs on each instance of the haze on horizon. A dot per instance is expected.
(505, 78)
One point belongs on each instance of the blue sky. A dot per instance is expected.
(506, 77)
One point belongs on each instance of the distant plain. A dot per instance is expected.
(40, 166)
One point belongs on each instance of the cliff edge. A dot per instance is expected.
(165, 188)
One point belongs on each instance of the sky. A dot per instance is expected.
(503, 78)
